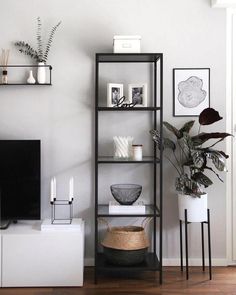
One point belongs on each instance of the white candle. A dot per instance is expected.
(52, 190)
(71, 189)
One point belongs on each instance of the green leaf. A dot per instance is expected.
(209, 168)
(217, 159)
(156, 137)
(168, 143)
(203, 137)
(186, 144)
(202, 179)
(199, 159)
(187, 127)
(188, 163)
(172, 129)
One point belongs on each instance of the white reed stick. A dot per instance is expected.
(5, 58)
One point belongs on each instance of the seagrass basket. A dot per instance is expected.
(126, 245)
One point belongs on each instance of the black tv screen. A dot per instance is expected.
(20, 179)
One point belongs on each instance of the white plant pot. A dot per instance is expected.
(196, 208)
(41, 75)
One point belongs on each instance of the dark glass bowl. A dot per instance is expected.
(126, 194)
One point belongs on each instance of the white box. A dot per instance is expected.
(127, 44)
(116, 208)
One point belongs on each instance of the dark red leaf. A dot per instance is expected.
(203, 137)
(209, 116)
(223, 154)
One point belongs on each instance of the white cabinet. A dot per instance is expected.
(31, 257)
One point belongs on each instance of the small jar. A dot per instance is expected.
(137, 152)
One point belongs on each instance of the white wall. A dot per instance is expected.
(189, 33)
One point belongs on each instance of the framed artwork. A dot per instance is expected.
(191, 91)
(114, 93)
(137, 94)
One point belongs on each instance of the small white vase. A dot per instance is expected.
(196, 208)
(41, 76)
(31, 79)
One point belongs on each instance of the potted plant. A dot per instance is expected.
(192, 155)
(41, 54)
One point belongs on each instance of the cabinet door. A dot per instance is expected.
(46, 259)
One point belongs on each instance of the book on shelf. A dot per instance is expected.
(136, 208)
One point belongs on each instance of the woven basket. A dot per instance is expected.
(126, 237)
(125, 257)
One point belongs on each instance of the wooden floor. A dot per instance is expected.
(224, 282)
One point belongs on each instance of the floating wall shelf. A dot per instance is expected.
(49, 83)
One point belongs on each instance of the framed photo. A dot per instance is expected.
(114, 93)
(191, 91)
(138, 94)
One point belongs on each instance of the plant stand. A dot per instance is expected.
(186, 243)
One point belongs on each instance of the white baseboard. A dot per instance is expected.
(176, 262)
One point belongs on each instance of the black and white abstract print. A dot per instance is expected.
(191, 91)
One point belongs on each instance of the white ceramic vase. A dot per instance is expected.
(41, 76)
(196, 208)
(31, 79)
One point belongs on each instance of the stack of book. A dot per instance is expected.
(136, 208)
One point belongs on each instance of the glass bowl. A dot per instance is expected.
(126, 194)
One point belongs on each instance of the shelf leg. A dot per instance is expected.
(95, 276)
(186, 242)
(160, 276)
(203, 252)
(209, 242)
(181, 245)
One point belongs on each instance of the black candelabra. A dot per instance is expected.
(55, 204)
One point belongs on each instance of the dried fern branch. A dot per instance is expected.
(39, 38)
(26, 49)
(50, 39)
(39, 55)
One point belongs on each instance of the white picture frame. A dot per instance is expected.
(138, 93)
(191, 91)
(114, 93)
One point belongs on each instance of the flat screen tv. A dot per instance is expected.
(19, 179)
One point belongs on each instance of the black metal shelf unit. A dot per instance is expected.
(49, 83)
(153, 260)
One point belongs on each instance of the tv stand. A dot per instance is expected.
(4, 224)
(31, 257)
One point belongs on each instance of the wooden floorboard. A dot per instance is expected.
(223, 283)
